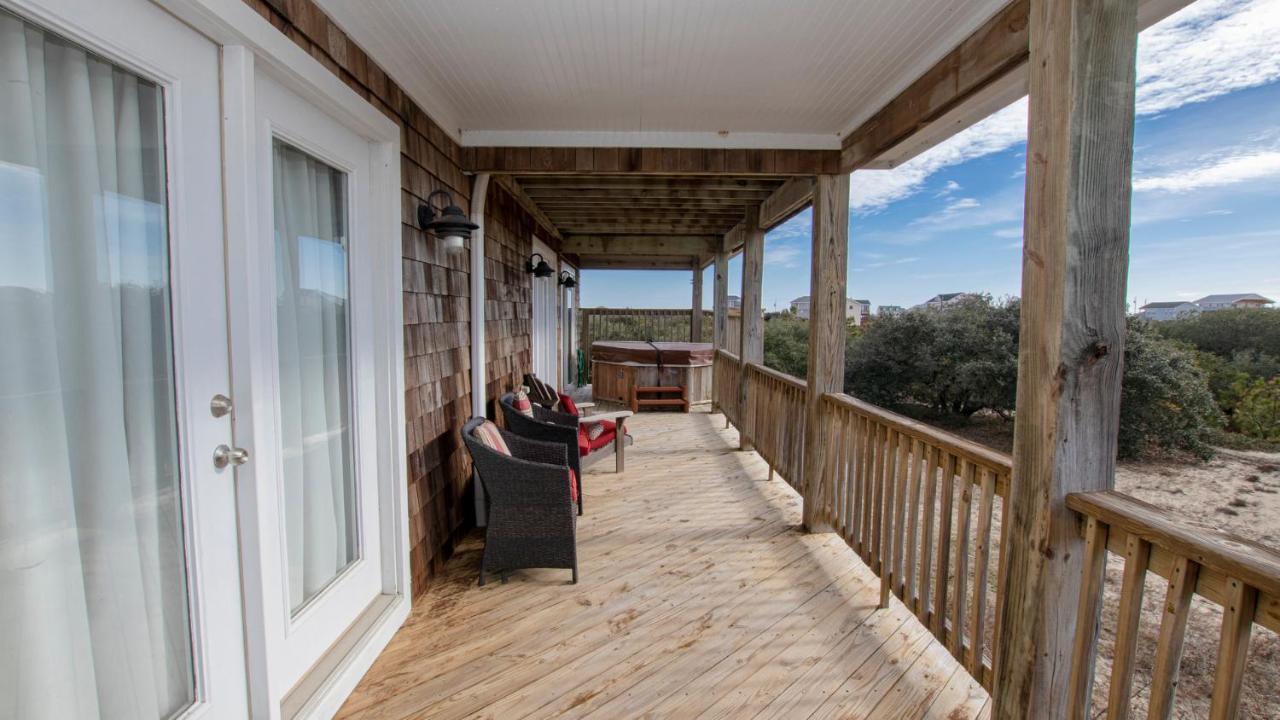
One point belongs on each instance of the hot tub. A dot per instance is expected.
(619, 365)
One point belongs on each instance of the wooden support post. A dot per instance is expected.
(752, 322)
(720, 302)
(827, 329)
(1071, 348)
(577, 329)
(695, 317)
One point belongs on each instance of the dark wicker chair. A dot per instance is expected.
(530, 519)
(546, 426)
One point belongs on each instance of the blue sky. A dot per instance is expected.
(1206, 204)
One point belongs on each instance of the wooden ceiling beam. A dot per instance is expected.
(987, 56)
(649, 161)
(508, 183)
(790, 198)
(637, 262)
(694, 245)
(536, 184)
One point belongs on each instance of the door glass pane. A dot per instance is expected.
(313, 323)
(93, 585)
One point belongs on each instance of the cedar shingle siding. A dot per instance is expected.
(436, 291)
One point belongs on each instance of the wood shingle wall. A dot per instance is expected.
(436, 290)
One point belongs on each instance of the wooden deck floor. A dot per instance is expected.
(698, 597)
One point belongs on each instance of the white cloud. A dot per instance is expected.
(1009, 233)
(951, 187)
(782, 255)
(887, 263)
(1209, 48)
(1214, 173)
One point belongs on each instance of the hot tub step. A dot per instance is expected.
(650, 396)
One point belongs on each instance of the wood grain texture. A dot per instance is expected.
(1071, 345)
(715, 606)
(1173, 631)
(695, 321)
(752, 319)
(1089, 604)
(720, 301)
(649, 161)
(788, 199)
(994, 50)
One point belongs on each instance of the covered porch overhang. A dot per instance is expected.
(666, 198)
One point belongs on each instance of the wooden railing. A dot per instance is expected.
(904, 496)
(777, 420)
(727, 374)
(1240, 576)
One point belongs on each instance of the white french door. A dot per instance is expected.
(303, 325)
(119, 571)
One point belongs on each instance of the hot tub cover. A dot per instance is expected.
(642, 353)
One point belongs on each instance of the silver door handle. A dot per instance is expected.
(224, 456)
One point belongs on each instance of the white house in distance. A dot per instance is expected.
(1236, 300)
(733, 302)
(853, 309)
(946, 300)
(1161, 311)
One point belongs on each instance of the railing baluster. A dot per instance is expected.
(1233, 648)
(876, 486)
(866, 475)
(944, 547)
(910, 593)
(1173, 630)
(1137, 556)
(902, 467)
(978, 631)
(926, 541)
(1094, 565)
(960, 566)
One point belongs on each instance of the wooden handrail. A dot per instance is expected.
(1241, 576)
(782, 377)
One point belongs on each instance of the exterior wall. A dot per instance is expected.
(436, 291)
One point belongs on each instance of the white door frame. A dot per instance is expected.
(248, 39)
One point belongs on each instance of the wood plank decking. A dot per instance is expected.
(699, 597)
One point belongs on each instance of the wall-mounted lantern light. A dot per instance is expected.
(539, 269)
(450, 224)
(567, 279)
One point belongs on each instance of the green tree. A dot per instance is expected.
(786, 344)
(1225, 332)
(1165, 400)
(1258, 412)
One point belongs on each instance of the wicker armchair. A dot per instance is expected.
(546, 426)
(531, 522)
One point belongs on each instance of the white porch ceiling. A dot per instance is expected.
(673, 73)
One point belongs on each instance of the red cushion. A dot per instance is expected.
(573, 485)
(584, 442)
(605, 438)
(567, 404)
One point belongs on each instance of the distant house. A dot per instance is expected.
(890, 310)
(859, 310)
(946, 300)
(733, 303)
(1210, 303)
(1161, 311)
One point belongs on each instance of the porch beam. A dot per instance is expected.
(648, 161)
(752, 323)
(993, 51)
(635, 262)
(695, 312)
(828, 277)
(1071, 345)
(509, 184)
(640, 244)
(789, 199)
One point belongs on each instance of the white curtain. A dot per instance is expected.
(93, 599)
(312, 334)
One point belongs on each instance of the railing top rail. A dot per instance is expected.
(637, 311)
(779, 376)
(966, 449)
(1251, 562)
(727, 354)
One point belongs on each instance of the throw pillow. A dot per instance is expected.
(488, 434)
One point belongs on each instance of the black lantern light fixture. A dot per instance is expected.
(449, 224)
(567, 279)
(539, 269)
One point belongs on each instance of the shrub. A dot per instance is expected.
(1226, 332)
(786, 344)
(1165, 400)
(1258, 412)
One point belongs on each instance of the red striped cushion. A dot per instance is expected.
(489, 434)
(521, 403)
(595, 430)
